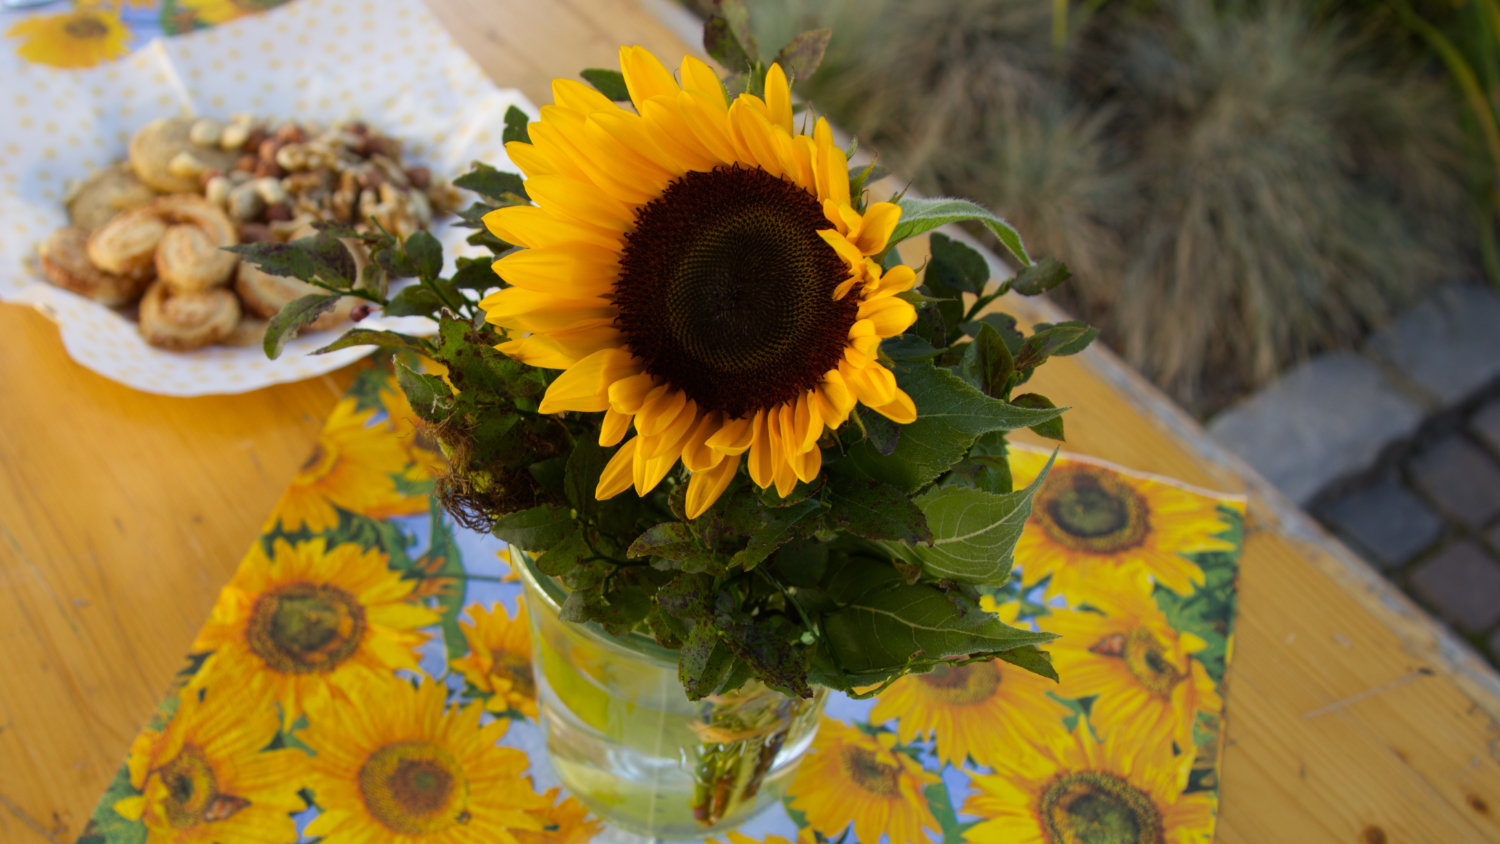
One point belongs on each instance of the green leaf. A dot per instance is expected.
(917, 625)
(673, 542)
(372, 337)
(585, 465)
(516, 121)
(875, 510)
(921, 215)
(988, 365)
(1063, 338)
(737, 17)
(720, 42)
(537, 529)
(955, 267)
(775, 531)
(320, 257)
(704, 663)
(904, 347)
(414, 300)
(1033, 659)
(475, 275)
(428, 394)
(802, 55)
(106, 823)
(1052, 429)
(950, 414)
(561, 559)
(493, 184)
(610, 83)
(290, 320)
(1040, 277)
(426, 254)
(973, 533)
(859, 177)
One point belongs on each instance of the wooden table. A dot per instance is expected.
(1352, 716)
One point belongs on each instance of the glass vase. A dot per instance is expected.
(624, 738)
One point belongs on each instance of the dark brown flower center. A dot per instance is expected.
(963, 684)
(870, 773)
(302, 628)
(1094, 807)
(516, 668)
(193, 796)
(414, 788)
(726, 290)
(1087, 509)
(85, 26)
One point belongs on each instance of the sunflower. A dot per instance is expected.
(1141, 669)
(850, 775)
(741, 838)
(499, 659)
(1071, 788)
(309, 624)
(699, 272)
(977, 710)
(204, 777)
(1088, 521)
(353, 467)
(566, 822)
(427, 462)
(413, 771)
(215, 12)
(84, 37)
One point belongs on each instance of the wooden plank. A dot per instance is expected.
(122, 514)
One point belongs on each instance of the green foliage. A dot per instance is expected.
(868, 572)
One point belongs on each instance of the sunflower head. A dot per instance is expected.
(700, 273)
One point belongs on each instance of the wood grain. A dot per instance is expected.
(1352, 717)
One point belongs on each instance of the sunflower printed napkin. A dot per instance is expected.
(365, 677)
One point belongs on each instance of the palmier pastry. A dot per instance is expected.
(105, 194)
(126, 245)
(183, 320)
(188, 259)
(65, 262)
(158, 143)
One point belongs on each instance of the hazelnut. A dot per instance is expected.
(255, 233)
(279, 212)
(420, 177)
(291, 133)
(268, 169)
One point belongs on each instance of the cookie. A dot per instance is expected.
(181, 321)
(106, 193)
(126, 245)
(154, 148)
(188, 259)
(65, 263)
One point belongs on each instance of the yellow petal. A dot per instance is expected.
(645, 75)
(528, 310)
(836, 391)
(561, 349)
(901, 409)
(829, 165)
(609, 167)
(809, 422)
(848, 251)
(579, 97)
(670, 129)
(577, 200)
(875, 386)
(779, 97)
(673, 437)
(806, 465)
(733, 437)
(708, 126)
(705, 486)
(762, 461)
(697, 76)
(889, 316)
(662, 407)
(696, 455)
(613, 427)
(785, 477)
(750, 135)
(575, 271)
(897, 279)
(634, 133)
(585, 385)
(647, 473)
(628, 394)
(617, 472)
(529, 160)
(534, 228)
(879, 222)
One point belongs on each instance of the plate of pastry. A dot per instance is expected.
(115, 206)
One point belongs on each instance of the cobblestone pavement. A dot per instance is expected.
(1396, 450)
